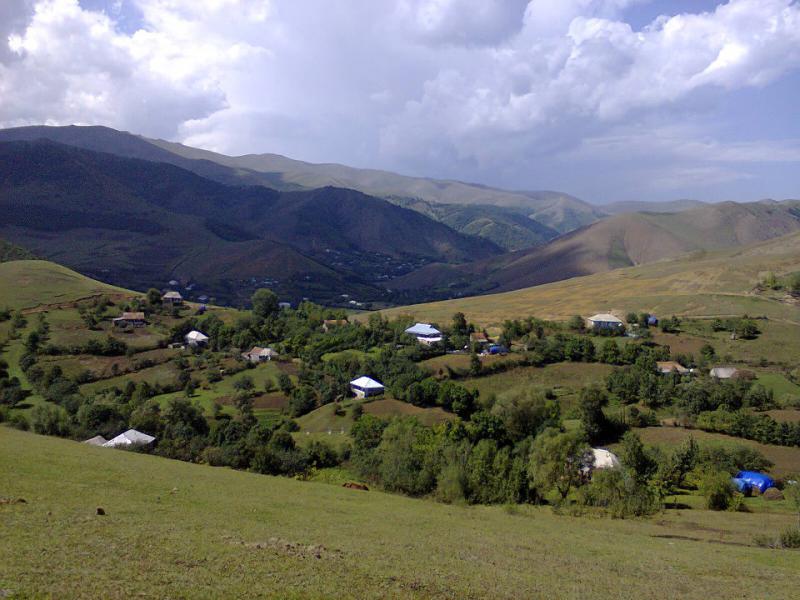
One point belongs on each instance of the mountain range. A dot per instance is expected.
(138, 212)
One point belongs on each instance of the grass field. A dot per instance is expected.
(701, 284)
(174, 529)
(38, 282)
(564, 379)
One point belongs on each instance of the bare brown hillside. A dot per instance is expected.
(620, 241)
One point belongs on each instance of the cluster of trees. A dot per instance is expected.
(745, 327)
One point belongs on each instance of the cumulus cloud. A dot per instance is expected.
(511, 92)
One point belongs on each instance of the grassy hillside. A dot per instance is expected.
(30, 283)
(620, 241)
(174, 529)
(701, 284)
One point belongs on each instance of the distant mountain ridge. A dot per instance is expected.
(554, 211)
(143, 223)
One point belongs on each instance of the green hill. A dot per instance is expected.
(174, 529)
(30, 283)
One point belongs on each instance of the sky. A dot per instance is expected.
(607, 100)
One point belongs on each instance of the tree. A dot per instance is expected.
(153, 297)
(474, 365)
(285, 383)
(595, 424)
(460, 326)
(556, 461)
(576, 323)
(717, 489)
(265, 303)
(526, 414)
(636, 458)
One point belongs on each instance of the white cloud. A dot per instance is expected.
(495, 90)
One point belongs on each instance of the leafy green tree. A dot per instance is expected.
(591, 401)
(475, 365)
(153, 297)
(717, 489)
(635, 457)
(576, 323)
(526, 413)
(792, 494)
(556, 462)
(407, 457)
(265, 303)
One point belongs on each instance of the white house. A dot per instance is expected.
(195, 338)
(604, 321)
(130, 438)
(284, 305)
(173, 298)
(258, 354)
(723, 372)
(366, 386)
(666, 367)
(135, 319)
(425, 333)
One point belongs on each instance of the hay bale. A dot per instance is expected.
(773, 494)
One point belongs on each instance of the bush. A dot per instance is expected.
(790, 538)
(19, 421)
(717, 489)
(620, 493)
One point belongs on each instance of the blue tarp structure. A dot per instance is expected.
(756, 480)
(741, 485)
(498, 349)
(652, 321)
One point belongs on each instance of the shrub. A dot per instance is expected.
(19, 421)
(717, 489)
(790, 538)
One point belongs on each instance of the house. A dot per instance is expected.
(652, 321)
(258, 354)
(130, 438)
(329, 324)
(173, 298)
(134, 319)
(284, 305)
(195, 339)
(670, 366)
(723, 372)
(364, 387)
(604, 321)
(480, 338)
(97, 440)
(425, 333)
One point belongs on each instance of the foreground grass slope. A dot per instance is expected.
(31, 283)
(700, 284)
(178, 530)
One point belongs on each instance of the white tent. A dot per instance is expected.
(130, 438)
(97, 440)
(603, 459)
(195, 338)
(366, 386)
